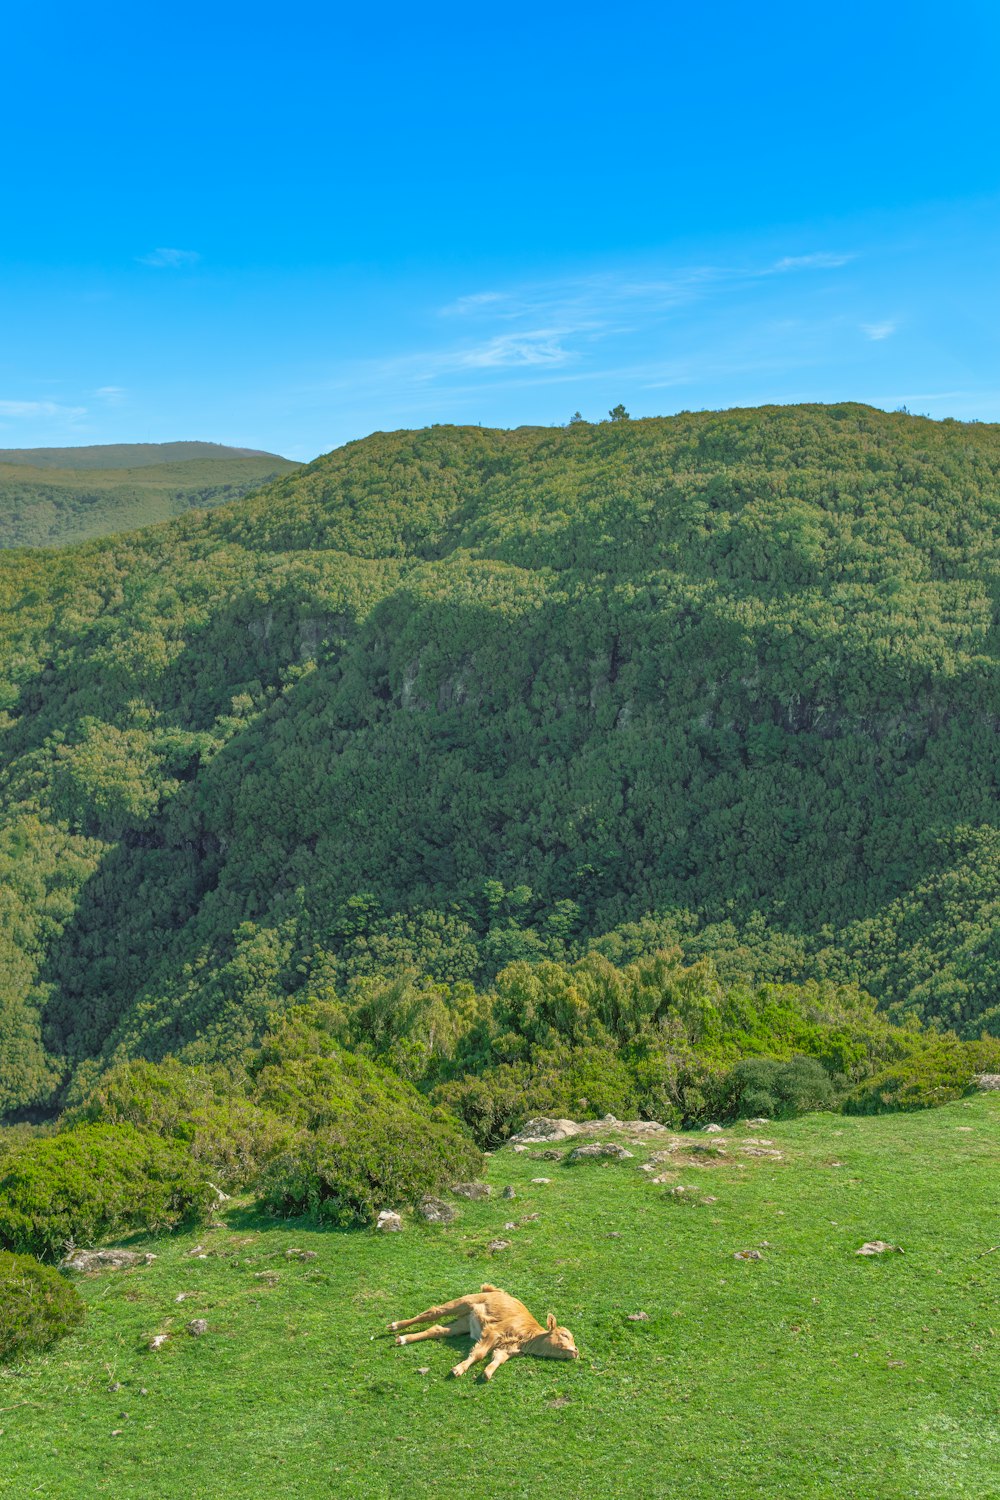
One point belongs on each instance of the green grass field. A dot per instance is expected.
(812, 1372)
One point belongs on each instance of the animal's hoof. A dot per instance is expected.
(393, 1327)
(457, 1370)
(400, 1338)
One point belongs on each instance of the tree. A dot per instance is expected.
(577, 420)
(618, 413)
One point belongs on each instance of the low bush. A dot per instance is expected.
(944, 1070)
(368, 1139)
(579, 1083)
(37, 1306)
(229, 1135)
(778, 1090)
(96, 1183)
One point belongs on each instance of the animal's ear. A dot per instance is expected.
(550, 1321)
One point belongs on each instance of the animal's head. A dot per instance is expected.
(555, 1342)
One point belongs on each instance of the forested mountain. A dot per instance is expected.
(57, 496)
(442, 700)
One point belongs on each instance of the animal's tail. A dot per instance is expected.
(488, 1286)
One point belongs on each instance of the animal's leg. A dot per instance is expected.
(439, 1331)
(500, 1357)
(459, 1305)
(477, 1352)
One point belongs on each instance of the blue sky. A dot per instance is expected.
(287, 228)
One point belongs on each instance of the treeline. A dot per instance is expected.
(448, 700)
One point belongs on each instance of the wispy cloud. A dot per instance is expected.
(539, 346)
(473, 303)
(166, 259)
(820, 260)
(40, 409)
(113, 395)
(878, 331)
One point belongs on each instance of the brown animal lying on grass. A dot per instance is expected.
(499, 1326)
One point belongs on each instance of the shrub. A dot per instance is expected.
(96, 1183)
(223, 1130)
(764, 1086)
(368, 1139)
(581, 1083)
(942, 1071)
(37, 1306)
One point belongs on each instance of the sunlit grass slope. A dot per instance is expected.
(810, 1373)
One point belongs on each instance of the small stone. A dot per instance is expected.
(115, 1385)
(599, 1148)
(638, 1317)
(180, 1296)
(541, 1179)
(761, 1151)
(709, 1199)
(436, 1211)
(472, 1190)
(712, 1129)
(388, 1222)
(760, 1120)
(104, 1260)
(301, 1255)
(510, 1224)
(878, 1247)
(495, 1245)
(143, 1391)
(197, 1327)
(508, 1192)
(747, 1255)
(547, 1155)
(158, 1342)
(520, 1148)
(423, 1369)
(613, 1234)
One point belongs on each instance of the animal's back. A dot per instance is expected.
(497, 1309)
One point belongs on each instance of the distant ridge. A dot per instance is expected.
(125, 455)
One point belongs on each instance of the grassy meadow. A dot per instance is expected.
(812, 1372)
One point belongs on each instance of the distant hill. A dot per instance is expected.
(57, 496)
(447, 699)
(127, 455)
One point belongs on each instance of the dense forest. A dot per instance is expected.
(51, 497)
(450, 703)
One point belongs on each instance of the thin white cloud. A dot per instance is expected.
(541, 346)
(821, 260)
(40, 409)
(113, 395)
(166, 259)
(473, 303)
(878, 331)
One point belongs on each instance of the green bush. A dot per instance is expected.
(224, 1131)
(581, 1083)
(96, 1183)
(368, 1139)
(37, 1306)
(941, 1072)
(779, 1090)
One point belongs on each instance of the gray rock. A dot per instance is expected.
(495, 1245)
(747, 1255)
(105, 1260)
(599, 1148)
(637, 1317)
(474, 1190)
(878, 1247)
(436, 1211)
(389, 1222)
(712, 1129)
(301, 1255)
(543, 1129)
(508, 1192)
(987, 1081)
(197, 1327)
